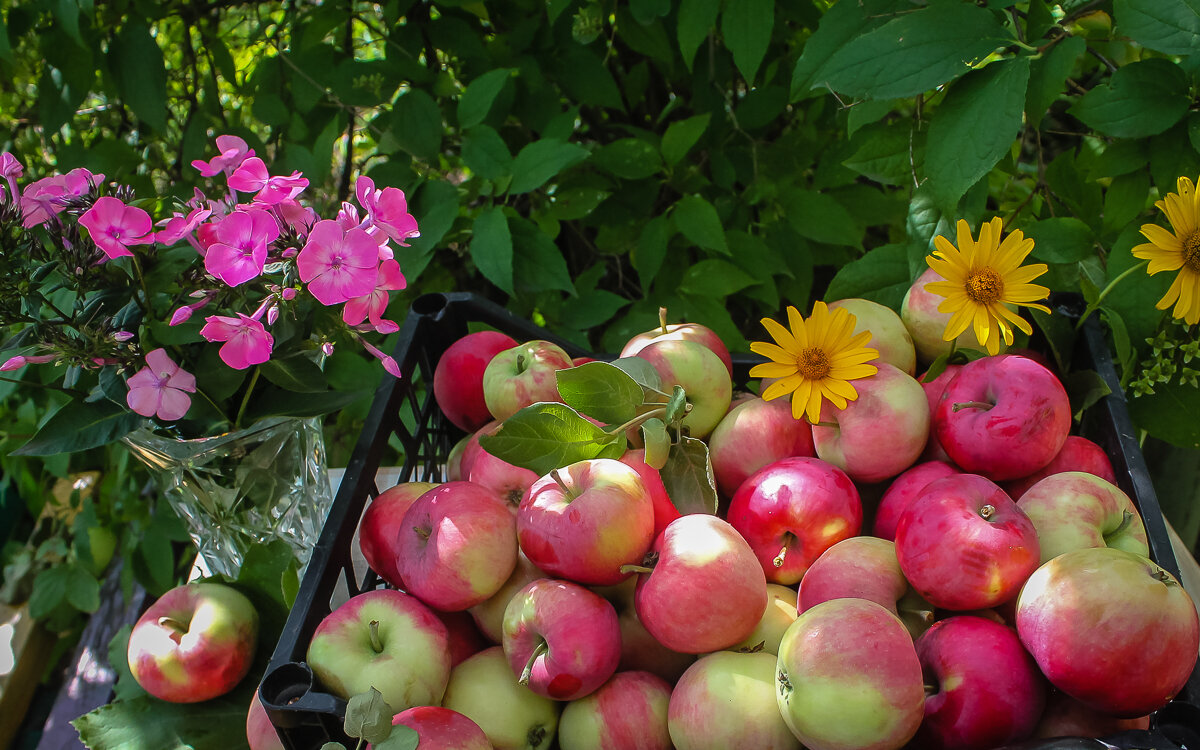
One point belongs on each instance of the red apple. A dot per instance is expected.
(664, 510)
(963, 544)
(1077, 454)
(1110, 628)
(628, 712)
(458, 377)
(458, 545)
(463, 635)
(726, 700)
(986, 689)
(1066, 717)
(888, 335)
(195, 642)
(679, 332)
(753, 434)
(379, 529)
(561, 640)
(508, 482)
(512, 716)
(489, 614)
(640, 651)
(260, 732)
(706, 591)
(1003, 417)
(902, 491)
(791, 511)
(440, 728)
(703, 376)
(933, 394)
(1075, 509)
(523, 375)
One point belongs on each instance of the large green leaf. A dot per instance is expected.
(715, 278)
(601, 391)
(540, 161)
(586, 79)
(1170, 414)
(145, 722)
(880, 276)
(974, 127)
(79, 426)
(914, 52)
(1142, 99)
(820, 217)
(688, 477)
(651, 250)
(547, 436)
(681, 136)
(891, 152)
(492, 247)
(141, 73)
(696, 219)
(295, 373)
(840, 25)
(746, 28)
(630, 158)
(480, 94)
(485, 153)
(281, 403)
(538, 264)
(1063, 239)
(696, 20)
(1048, 76)
(417, 124)
(1169, 26)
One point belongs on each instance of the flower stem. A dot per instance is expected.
(246, 397)
(1091, 308)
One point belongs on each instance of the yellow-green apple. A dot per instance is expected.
(679, 332)
(379, 529)
(454, 459)
(919, 311)
(1066, 717)
(508, 482)
(888, 333)
(753, 434)
(779, 614)
(458, 377)
(382, 639)
(1077, 454)
(879, 434)
(963, 544)
(1074, 509)
(1110, 628)
(512, 716)
(629, 712)
(791, 511)
(585, 521)
(489, 614)
(440, 728)
(523, 375)
(641, 651)
(193, 643)
(664, 510)
(458, 545)
(725, 701)
(1003, 417)
(706, 590)
(260, 732)
(933, 394)
(702, 375)
(982, 689)
(848, 677)
(902, 490)
(562, 640)
(864, 567)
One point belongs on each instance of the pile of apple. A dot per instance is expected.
(1004, 591)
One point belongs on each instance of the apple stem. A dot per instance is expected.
(788, 538)
(973, 405)
(1126, 522)
(177, 628)
(376, 644)
(826, 424)
(423, 533)
(539, 650)
(930, 690)
(520, 363)
(535, 736)
(987, 511)
(635, 422)
(635, 569)
(1166, 577)
(562, 485)
(662, 319)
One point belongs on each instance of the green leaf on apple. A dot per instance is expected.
(368, 716)
(546, 436)
(657, 441)
(688, 478)
(677, 407)
(333, 746)
(600, 391)
(145, 722)
(401, 738)
(641, 371)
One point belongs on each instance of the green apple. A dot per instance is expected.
(484, 689)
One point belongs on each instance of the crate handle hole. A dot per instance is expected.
(430, 304)
(286, 684)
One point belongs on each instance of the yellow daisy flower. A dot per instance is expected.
(984, 281)
(815, 360)
(1177, 252)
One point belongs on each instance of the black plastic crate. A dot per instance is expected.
(306, 717)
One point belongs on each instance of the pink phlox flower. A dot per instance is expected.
(240, 251)
(10, 170)
(296, 216)
(104, 361)
(19, 361)
(372, 306)
(389, 363)
(252, 177)
(327, 348)
(183, 314)
(115, 226)
(387, 209)
(338, 265)
(44, 198)
(160, 388)
(179, 226)
(247, 342)
(233, 152)
(122, 336)
(347, 217)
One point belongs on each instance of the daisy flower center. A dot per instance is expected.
(984, 286)
(1191, 252)
(813, 364)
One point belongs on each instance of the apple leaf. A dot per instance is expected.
(657, 441)
(641, 371)
(401, 738)
(677, 407)
(688, 478)
(546, 436)
(600, 391)
(333, 746)
(145, 722)
(368, 716)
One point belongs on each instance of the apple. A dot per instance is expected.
(933, 394)
(664, 510)
(1066, 717)
(679, 332)
(779, 614)
(585, 521)
(195, 642)
(440, 728)
(489, 614)
(919, 311)
(380, 527)
(888, 334)
(848, 676)
(561, 640)
(791, 511)
(508, 482)
(640, 651)
(454, 459)
(1003, 417)
(963, 544)
(523, 375)
(1110, 628)
(1077, 454)
(628, 712)
(1074, 509)
(725, 701)
(702, 375)
(902, 491)
(458, 377)
(753, 434)
(513, 717)
(463, 635)
(983, 689)
(260, 732)
(387, 640)
(457, 546)
(700, 558)
(879, 434)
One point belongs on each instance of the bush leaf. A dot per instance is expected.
(82, 426)
(746, 28)
(696, 219)
(477, 99)
(540, 161)
(1142, 99)
(492, 248)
